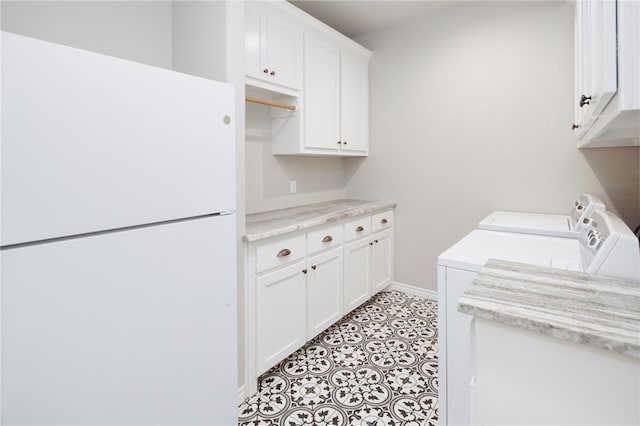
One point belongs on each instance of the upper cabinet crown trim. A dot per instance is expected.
(314, 24)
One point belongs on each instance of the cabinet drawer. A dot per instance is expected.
(357, 228)
(382, 221)
(324, 238)
(279, 252)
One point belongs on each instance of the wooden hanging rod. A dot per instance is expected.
(270, 103)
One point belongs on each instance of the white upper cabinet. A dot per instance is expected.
(607, 99)
(596, 56)
(333, 119)
(293, 59)
(321, 99)
(354, 102)
(335, 99)
(273, 49)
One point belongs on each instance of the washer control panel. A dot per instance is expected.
(595, 234)
(609, 246)
(582, 208)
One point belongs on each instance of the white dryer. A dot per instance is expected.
(544, 224)
(606, 246)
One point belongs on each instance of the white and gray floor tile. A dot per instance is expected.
(377, 366)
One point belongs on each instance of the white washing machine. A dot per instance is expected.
(544, 224)
(606, 246)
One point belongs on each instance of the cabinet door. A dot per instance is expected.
(281, 302)
(273, 47)
(381, 260)
(357, 266)
(596, 62)
(324, 291)
(255, 41)
(284, 52)
(354, 102)
(554, 379)
(321, 95)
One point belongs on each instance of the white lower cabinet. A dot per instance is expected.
(368, 261)
(527, 378)
(381, 260)
(324, 291)
(357, 267)
(300, 284)
(281, 313)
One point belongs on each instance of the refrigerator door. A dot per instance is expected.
(134, 327)
(91, 143)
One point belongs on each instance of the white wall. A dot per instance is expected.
(268, 176)
(199, 27)
(471, 111)
(134, 30)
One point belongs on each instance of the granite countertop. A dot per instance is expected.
(582, 308)
(277, 222)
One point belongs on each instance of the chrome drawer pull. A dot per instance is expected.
(359, 229)
(327, 239)
(283, 253)
(383, 221)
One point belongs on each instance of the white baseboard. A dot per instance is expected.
(416, 291)
(241, 395)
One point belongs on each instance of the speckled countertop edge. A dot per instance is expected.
(587, 309)
(278, 222)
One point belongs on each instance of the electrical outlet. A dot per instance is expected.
(292, 187)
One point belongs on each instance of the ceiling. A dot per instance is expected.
(354, 18)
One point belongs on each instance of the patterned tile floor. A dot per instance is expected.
(376, 366)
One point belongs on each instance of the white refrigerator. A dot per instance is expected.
(118, 235)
